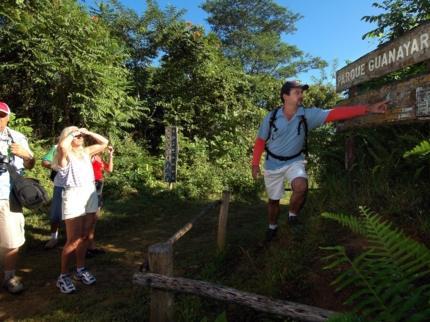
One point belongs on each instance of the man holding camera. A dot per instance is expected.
(14, 148)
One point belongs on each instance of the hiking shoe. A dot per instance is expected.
(270, 234)
(293, 221)
(51, 244)
(85, 277)
(13, 285)
(96, 251)
(65, 284)
(89, 255)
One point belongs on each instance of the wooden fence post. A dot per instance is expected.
(222, 223)
(161, 262)
(350, 155)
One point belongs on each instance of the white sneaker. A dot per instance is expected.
(13, 285)
(51, 244)
(65, 284)
(85, 277)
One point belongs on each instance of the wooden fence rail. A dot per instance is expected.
(181, 232)
(163, 284)
(227, 294)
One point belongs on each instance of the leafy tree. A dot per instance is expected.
(251, 32)
(197, 88)
(400, 17)
(61, 67)
(143, 38)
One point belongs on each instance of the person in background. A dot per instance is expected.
(76, 175)
(284, 159)
(99, 165)
(55, 214)
(13, 147)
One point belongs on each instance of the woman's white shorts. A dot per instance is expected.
(79, 201)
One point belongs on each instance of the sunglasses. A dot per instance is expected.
(79, 136)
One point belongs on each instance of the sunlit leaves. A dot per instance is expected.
(64, 66)
(399, 17)
(251, 32)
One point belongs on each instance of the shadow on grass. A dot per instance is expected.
(125, 229)
(289, 269)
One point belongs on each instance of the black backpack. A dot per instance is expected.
(272, 124)
(26, 192)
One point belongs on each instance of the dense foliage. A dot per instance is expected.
(106, 68)
(128, 76)
(59, 67)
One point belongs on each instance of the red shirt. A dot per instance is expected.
(98, 167)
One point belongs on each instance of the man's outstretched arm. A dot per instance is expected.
(346, 112)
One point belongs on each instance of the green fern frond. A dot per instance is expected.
(222, 317)
(422, 149)
(386, 273)
(417, 174)
(353, 223)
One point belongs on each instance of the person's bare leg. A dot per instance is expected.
(81, 249)
(74, 232)
(91, 244)
(273, 214)
(54, 227)
(10, 258)
(273, 210)
(298, 197)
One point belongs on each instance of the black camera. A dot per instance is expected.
(4, 160)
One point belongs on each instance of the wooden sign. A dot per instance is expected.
(412, 48)
(171, 164)
(410, 103)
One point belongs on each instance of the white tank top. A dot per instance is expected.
(77, 173)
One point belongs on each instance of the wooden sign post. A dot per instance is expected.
(410, 104)
(410, 96)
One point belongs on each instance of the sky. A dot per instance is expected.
(329, 29)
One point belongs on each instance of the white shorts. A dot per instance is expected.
(274, 179)
(11, 227)
(79, 202)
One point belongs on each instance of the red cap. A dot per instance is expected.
(4, 108)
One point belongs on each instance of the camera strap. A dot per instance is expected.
(5, 142)
(11, 141)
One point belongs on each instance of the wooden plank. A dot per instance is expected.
(292, 310)
(410, 103)
(411, 48)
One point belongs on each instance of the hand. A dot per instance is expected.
(110, 149)
(83, 131)
(256, 172)
(19, 151)
(378, 108)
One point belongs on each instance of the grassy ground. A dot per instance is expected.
(290, 269)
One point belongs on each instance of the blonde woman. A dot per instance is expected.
(75, 174)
